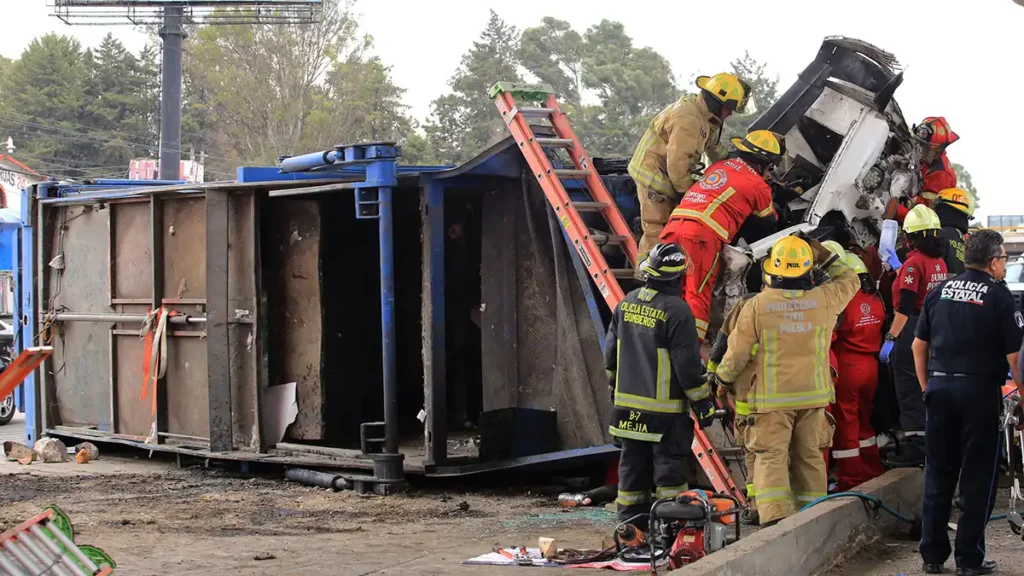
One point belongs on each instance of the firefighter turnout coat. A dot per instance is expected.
(652, 352)
(793, 331)
(675, 140)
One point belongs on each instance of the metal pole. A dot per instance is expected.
(170, 90)
(387, 320)
(118, 318)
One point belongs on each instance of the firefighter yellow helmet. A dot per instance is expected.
(835, 248)
(790, 257)
(761, 143)
(855, 263)
(959, 199)
(921, 219)
(729, 89)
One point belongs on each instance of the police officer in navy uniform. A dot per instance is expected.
(968, 333)
(652, 356)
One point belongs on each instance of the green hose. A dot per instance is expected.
(879, 504)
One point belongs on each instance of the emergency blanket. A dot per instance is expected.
(535, 559)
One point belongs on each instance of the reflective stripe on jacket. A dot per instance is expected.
(676, 139)
(652, 349)
(793, 330)
(728, 194)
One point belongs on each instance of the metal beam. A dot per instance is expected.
(435, 388)
(172, 33)
(387, 319)
(217, 341)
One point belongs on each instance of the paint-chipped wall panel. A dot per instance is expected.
(184, 236)
(134, 414)
(242, 247)
(78, 282)
(188, 405)
(132, 255)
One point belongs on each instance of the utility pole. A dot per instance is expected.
(172, 32)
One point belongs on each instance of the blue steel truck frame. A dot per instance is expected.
(194, 266)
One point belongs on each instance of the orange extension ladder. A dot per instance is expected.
(507, 97)
(45, 544)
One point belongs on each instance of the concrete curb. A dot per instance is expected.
(812, 541)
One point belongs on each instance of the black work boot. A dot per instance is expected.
(987, 567)
(933, 568)
(911, 454)
(750, 517)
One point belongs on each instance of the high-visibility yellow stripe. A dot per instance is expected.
(753, 350)
(785, 401)
(751, 492)
(669, 406)
(712, 366)
(729, 192)
(654, 180)
(768, 361)
(631, 435)
(742, 409)
(820, 355)
(670, 491)
(702, 327)
(774, 494)
(763, 213)
(664, 375)
(702, 217)
(711, 270)
(699, 393)
(630, 498)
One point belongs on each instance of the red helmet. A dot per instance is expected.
(934, 132)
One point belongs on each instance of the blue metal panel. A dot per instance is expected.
(252, 174)
(26, 330)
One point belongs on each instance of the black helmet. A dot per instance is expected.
(664, 262)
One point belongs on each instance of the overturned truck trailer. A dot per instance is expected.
(430, 311)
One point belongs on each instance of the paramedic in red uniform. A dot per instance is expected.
(857, 342)
(713, 209)
(937, 174)
(924, 269)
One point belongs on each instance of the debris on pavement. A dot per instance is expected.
(94, 452)
(264, 556)
(82, 456)
(15, 451)
(51, 450)
(548, 547)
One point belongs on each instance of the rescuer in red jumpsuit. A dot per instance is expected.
(713, 209)
(937, 173)
(857, 342)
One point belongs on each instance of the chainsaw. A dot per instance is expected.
(682, 530)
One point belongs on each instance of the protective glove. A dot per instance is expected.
(886, 351)
(611, 386)
(891, 259)
(705, 411)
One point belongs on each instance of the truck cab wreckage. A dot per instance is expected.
(849, 152)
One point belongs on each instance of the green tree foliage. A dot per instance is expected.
(764, 88)
(963, 180)
(465, 121)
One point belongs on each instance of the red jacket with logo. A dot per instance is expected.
(728, 194)
(919, 274)
(859, 330)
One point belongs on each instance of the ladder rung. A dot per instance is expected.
(555, 142)
(622, 272)
(536, 112)
(589, 206)
(568, 173)
(616, 239)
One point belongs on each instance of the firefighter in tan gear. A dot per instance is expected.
(791, 321)
(739, 393)
(675, 141)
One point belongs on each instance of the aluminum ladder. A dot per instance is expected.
(45, 545)
(508, 97)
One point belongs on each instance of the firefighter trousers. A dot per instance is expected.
(658, 465)
(740, 433)
(854, 447)
(789, 471)
(908, 389)
(962, 443)
(655, 210)
(702, 246)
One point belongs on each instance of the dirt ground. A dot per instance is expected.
(893, 557)
(154, 518)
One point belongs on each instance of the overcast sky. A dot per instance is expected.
(962, 62)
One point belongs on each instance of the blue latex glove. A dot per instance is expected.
(705, 411)
(886, 351)
(891, 259)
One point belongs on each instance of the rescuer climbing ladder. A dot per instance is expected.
(508, 97)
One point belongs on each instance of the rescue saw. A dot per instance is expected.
(681, 530)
